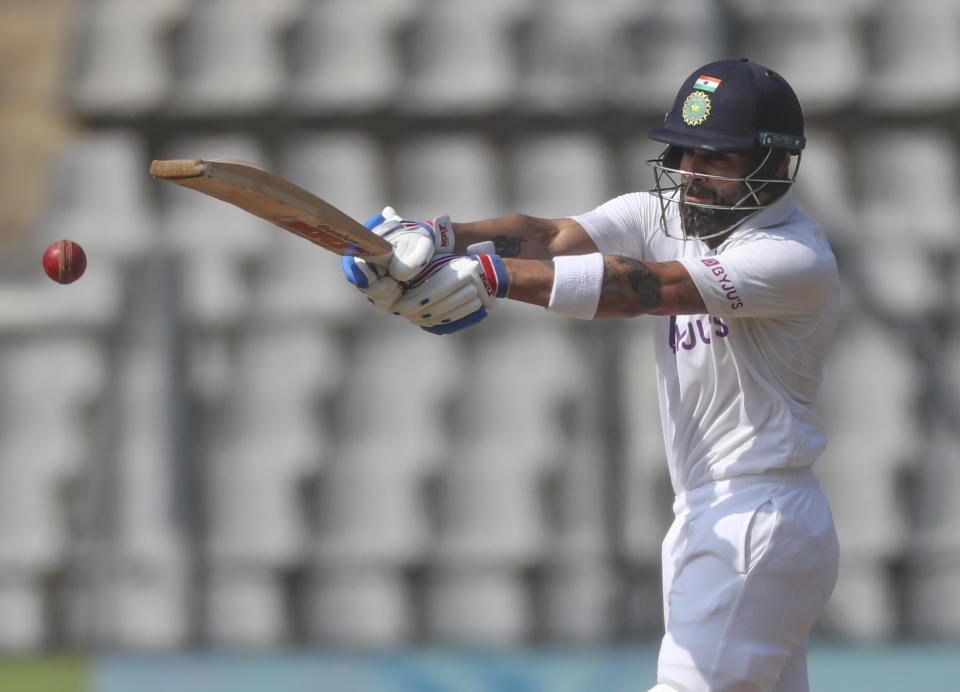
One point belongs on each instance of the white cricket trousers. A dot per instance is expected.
(748, 566)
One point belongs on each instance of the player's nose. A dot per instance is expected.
(691, 167)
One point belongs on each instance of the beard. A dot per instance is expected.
(699, 222)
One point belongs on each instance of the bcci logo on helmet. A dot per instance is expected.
(696, 108)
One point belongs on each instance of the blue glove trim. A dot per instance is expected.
(455, 326)
(349, 265)
(503, 279)
(374, 221)
(353, 273)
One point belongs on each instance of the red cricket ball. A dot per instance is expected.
(64, 261)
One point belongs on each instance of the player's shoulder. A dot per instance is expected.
(793, 251)
(808, 236)
(786, 228)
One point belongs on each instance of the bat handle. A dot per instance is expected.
(380, 260)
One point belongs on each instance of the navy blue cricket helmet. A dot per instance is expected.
(734, 105)
(731, 106)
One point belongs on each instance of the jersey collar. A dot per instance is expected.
(771, 215)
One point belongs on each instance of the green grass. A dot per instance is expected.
(44, 674)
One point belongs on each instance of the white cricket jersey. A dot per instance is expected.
(737, 386)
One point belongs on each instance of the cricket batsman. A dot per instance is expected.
(743, 290)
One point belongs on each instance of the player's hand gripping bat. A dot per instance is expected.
(277, 200)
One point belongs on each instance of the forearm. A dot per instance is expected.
(629, 287)
(531, 281)
(526, 237)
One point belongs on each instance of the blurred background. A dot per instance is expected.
(209, 443)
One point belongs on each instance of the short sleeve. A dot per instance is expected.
(769, 276)
(622, 225)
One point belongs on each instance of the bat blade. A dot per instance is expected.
(275, 199)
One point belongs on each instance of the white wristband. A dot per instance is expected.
(577, 282)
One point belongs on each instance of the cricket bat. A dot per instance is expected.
(275, 199)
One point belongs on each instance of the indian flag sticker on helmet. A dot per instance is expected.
(696, 108)
(707, 83)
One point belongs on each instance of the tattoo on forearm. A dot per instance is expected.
(632, 281)
(508, 247)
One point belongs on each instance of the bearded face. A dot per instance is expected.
(699, 222)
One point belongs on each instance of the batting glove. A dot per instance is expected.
(414, 243)
(453, 292)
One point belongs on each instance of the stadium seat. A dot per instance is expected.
(460, 60)
(477, 608)
(824, 188)
(391, 364)
(915, 49)
(214, 242)
(344, 57)
(951, 354)
(870, 447)
(143, 595)
(371, 512)
(883, 438)
(661, 44)
(358, 608)
(643, 493)
(863, 606)
(579, 603)
(815, 45)
(49, 383)
(23, 627)
(33, 529)
(489, 513)
(559, 175)
(253, 513)
(907, 221)
(267, 441)
(909, 178)
(347, 168)
(244, 608)
(296, 281)
(932, 581)
(579, 513)
(121, 67)
(937, 519)
(920, 290)
(284, 369)
(34, 306)
(518, 406)
(447, 174)
(933, 564)
(567, 55)
(229, 58)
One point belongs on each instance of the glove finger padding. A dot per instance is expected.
(456, 325)
(384, 293)
(454, 292)
(433, 284)
(456, 305)
(444, 275)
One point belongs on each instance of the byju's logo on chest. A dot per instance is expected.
(702, 330)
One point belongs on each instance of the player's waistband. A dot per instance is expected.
(714, 490)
